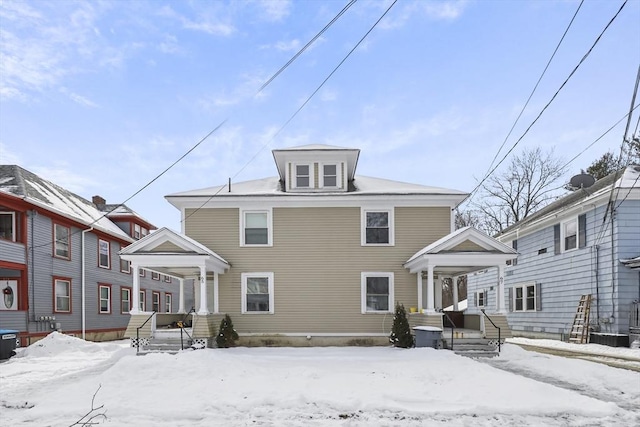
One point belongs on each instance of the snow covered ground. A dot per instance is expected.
(51, 383)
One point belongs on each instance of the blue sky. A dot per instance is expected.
(100, 97)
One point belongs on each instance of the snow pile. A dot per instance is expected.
(55, 344)
(311, 386)
(593, 349)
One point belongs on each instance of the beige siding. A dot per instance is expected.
(167, 247)
(468, 246)
(317, 262)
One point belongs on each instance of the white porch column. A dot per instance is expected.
(430, 293)
(454, 284)
(204, 310)
(216, 307)
(500, 293)
(420, 305)
(135, 298)
(181, 301)
(438, 292)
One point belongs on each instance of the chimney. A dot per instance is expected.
(99, 202)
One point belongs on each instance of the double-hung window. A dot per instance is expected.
(104, 254)
(377, 227)
(125, 300)
(104, 292)
(8, 226)
(303, 176)
(481, 299)
(155, 275)
(256, 228)
(570, 234)
(61, 235)
(377, 292)
(62, 291)
(525, 297)
(142, 303)
(257, 293)
(167, 302)
(330, 175)
(136, 231)
(155, 301)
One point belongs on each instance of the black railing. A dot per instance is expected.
(453, 326)
(494, 325)
(182, 330)
(138, 331)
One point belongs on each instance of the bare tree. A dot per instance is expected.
(466, 217)
(526, 186)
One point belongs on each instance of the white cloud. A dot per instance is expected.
(62, 174)
(82, 100)
(274, 10)
(169, 45)
(293, 45)
(209, 21)
(7, 157)
(328, 95)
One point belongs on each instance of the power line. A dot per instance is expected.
(536, 86)
(273, 77)
(298, 110)
(316, 37)
(548, 103)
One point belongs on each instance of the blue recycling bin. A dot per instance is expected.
(8, 339)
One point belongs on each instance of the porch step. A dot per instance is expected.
(501, 321)
(472, 347)
(170, 345)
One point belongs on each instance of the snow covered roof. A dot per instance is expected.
(361, 185)
(31, 188)
(625, 179)
(316, 147)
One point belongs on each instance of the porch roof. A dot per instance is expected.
(461, 252)
(173, 253)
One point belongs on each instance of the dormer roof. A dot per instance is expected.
(316, 152)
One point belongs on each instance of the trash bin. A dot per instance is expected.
(428, 336)
(7, 343)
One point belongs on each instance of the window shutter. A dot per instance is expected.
(582, 230)
(514, 245)
(556, 239)
(538, 297)
(510, 299)
(484, 298)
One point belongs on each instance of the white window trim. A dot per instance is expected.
(137, 234)
(244, 277)
(338, 175)
(294, 178)
(153, 301)
(269, 213)
(123, 300)
(363, 226)
(484, 298)
(13, 225)
(363, 292)
(100, 299)
(142, 300)
(168, 302)
(524, 287)
(562, 235)
(108, 266)
(56, 309)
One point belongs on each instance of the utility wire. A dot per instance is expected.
(548, 103)
(266, 144)
(316, 37)
(105, 214)
(536, 86)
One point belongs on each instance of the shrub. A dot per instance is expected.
(227, 335)
(400, 331)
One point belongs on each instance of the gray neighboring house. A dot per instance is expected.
(581, 244)
(59, 263)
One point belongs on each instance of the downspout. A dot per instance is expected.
(32, 264)
(597, 283)
(84, 311)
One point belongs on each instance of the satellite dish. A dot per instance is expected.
(583, 180)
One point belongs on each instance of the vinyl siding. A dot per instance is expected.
(468, 246)
(563, 278)
(317, 261)
(627, 240)
(43, 267)
(12, 252)
(167, 247)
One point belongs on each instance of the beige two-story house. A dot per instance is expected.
(316, 255)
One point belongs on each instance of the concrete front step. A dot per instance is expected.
(476, 353)
(472, 347)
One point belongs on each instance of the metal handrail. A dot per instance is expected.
(494, 325)
(453, 326)
(138, 331)
(181, 326)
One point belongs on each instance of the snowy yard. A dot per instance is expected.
(52, 383)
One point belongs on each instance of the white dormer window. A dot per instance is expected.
(303, 176)
(329, 175)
